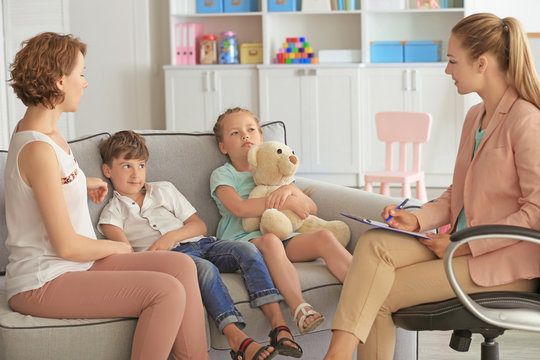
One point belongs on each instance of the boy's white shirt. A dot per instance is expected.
(164, 209)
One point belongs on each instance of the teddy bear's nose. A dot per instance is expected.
(293, 159)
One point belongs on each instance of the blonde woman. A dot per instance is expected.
(495, 182)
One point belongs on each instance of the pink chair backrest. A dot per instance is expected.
(403, 127)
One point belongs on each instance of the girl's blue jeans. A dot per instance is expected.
(212, 256)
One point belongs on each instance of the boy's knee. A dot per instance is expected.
(247, 249)
(205, 269)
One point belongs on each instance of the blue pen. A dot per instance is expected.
(398, 207)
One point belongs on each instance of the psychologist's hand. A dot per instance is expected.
(401, 219)
(439, 242)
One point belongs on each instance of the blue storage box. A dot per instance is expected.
(233, 6)
(284, 5)
(386, 51)
(422, 51)
(209, 6)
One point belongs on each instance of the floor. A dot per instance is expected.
(513, 345)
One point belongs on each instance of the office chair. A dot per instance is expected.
(403, 127)
(488, 313)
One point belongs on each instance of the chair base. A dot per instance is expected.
(461, 341)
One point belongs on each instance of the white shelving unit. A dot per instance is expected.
(324, 30)
(329, 109)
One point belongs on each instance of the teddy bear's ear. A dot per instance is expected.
(252, 156)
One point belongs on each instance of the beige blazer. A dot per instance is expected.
(500, 185)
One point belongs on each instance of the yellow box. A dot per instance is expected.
(251, 53)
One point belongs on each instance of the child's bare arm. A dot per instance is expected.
(255, 207)
(113, 232)
(276, 199)
(303, 197)
(237, 206)
(193, 226)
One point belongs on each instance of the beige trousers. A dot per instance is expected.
(391, 271)
(160, 288)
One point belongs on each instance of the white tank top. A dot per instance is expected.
(32, 260)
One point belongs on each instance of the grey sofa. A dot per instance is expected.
(187, 161)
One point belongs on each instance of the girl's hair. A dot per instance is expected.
(40, 63)
(505, 39)
(218, 126)
(126, 142)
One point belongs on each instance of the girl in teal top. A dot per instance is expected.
(236, 131)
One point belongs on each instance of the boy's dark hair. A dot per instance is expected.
(126, 141)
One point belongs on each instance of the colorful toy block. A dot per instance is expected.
(295, 50)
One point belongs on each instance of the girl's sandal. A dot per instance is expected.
(241, 353)
(284, 349)
(305, 314)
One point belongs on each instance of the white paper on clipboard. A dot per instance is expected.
(384, 226)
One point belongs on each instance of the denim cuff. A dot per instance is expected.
(228, 318)
(265, 297)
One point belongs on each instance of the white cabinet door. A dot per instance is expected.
(319, 107)
(334, 121)
(186, 100)
(423, 89)
(195, 98)
(434, 92)
(281, 99)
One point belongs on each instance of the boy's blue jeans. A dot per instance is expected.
(212, 256)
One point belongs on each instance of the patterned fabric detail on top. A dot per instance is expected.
(70, 177)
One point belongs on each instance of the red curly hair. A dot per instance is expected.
(40, 63)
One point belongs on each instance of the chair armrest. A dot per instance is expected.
(332, 199)
(518, 319)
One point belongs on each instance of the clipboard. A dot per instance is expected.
(382, 225)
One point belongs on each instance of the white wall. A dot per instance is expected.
(527, 11)
(127, 46)
(23, 19)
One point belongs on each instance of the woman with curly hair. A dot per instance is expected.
(57, 268)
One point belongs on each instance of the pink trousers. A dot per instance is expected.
(160, 288)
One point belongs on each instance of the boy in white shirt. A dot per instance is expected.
(156, 216)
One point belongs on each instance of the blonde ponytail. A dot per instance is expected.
(504, 38)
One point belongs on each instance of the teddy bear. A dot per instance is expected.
(273, 164)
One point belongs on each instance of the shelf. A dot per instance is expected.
(329, 30)
(423, 11)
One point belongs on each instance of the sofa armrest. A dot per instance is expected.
(333, 199)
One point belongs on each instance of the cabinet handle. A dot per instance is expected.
(313, 72)
(214, 81)
(206, 81)
(301, 72)
(406, 80)
(414, 80)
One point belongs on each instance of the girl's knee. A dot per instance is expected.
(270, 243)
(325, 240)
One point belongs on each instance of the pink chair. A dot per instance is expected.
(403, 127)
